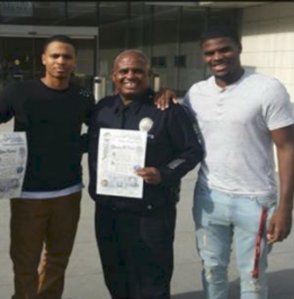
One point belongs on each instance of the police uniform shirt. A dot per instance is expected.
(173, 146)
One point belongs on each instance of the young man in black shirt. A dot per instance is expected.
(51, 112)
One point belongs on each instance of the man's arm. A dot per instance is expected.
(280, 224)
(90, 104)
(90, 108)
(6, 110)
(92, 133)
(164, 97)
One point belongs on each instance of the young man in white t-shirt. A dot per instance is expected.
(240, 115)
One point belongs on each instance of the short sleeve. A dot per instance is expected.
(277, 108)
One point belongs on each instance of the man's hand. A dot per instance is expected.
(163, 98)
(280, 226)
(150, 175)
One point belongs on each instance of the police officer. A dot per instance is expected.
(135, 236)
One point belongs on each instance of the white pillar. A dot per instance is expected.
(99, 88)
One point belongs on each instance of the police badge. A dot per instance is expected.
(145, 124)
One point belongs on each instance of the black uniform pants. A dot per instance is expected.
(136, 252)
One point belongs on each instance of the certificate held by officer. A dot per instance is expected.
(120, 153)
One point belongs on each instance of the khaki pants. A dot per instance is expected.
(42, 237)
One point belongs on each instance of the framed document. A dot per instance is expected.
(120, 152)
(13, 159)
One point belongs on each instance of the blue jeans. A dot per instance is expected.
(221, 218)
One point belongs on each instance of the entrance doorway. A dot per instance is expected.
(21, 48)
(20, 58)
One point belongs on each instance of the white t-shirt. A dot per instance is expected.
(235, 123)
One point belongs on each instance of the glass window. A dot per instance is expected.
(20, 59)
(158, 61)
(180, 61)
(113, 24)
(81, 13)
(168, 33)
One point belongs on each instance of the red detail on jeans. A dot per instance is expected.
(257, 249)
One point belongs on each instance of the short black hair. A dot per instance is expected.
(59, 38)
(220, 31)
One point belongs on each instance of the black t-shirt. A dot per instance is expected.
(52, 120)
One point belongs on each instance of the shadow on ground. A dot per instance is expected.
(281, 286)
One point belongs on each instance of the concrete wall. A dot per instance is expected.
(268, 41)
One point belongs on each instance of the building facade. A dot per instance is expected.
(168, 32)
